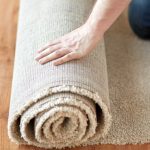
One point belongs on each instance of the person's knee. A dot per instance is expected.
(139, 17)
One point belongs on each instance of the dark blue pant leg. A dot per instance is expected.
(139, 18)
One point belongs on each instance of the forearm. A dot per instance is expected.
(104, 13)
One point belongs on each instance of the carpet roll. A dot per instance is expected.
(57, 106)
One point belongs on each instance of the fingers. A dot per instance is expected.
(66, 58)
(61, 50)
(54, 42)
(47, 51)
(54, 55)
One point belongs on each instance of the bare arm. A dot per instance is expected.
(84, 39)
(105, 12)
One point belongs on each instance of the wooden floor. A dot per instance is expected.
(8, 24)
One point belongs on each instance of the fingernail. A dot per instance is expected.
(37, 57)
(41, 62)
(55, 64)
(39, 51)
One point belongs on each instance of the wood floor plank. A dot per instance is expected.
(8, 27)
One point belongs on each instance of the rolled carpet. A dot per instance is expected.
(71, 104)
(57, 106)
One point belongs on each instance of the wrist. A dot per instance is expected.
(97, 26)
(93, 29)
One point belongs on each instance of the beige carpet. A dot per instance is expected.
(102, 98)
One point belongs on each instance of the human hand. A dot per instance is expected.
(74, 45)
